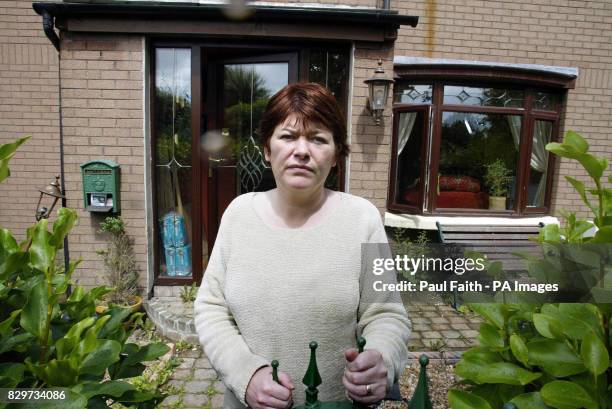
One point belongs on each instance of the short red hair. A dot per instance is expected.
(311, 103)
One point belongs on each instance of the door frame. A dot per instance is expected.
(198, 48)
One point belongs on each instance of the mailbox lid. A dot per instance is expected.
(105, 162)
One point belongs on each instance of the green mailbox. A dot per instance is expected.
(101, 186)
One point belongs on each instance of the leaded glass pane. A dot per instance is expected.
(545, 101)
(247, 89)
(173, 171)
(412, 94)
(493, 97)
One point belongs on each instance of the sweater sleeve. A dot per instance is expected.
(217, 330)
(382, 318)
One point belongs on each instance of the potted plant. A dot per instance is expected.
(120, 262)
(497, 177)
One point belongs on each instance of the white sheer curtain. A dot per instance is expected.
(539, 158)
(406, 123)
(515, 128)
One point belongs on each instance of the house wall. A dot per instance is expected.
(103, 111)
(560, 32)
(103, 91)
(28, 106)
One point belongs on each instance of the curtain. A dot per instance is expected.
(406, 123)
(539, 158)
(514, 121)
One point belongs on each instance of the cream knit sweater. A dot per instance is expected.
(267, 292)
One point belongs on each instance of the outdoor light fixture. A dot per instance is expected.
(378, 91)
(51, 190)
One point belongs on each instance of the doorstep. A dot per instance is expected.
(173, 318)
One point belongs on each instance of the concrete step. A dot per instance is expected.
(173, 318)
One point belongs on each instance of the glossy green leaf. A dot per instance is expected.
(580, 188)
(575, 142)
(603, 235)
(8, 244)
(6, 325)
(548, 326)
(105, 354)
(493, 313)
(108, 388)
(11, 374)
(15, 342)
(62, 225)
(490, 336)
(554, 357)
(594, 354)
(42, 254)
(34, 313)
(8, 150)
(466, 400)
(147, 353)
(519, 349)
(567, 395)
(60, 373)
(12, 266)
(6, 153)
(531, 400)
(579, 319)
(65, 345)
(550, 233)
(117, 317)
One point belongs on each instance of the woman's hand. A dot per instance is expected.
(263, 392)
(365, 376)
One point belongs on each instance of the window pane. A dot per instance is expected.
(545, 101)
(470, 144)
(408, 187)
(536, 189)
(412, 94)
(173, 172)
(492, 97)
(330, 68)
(247, 89)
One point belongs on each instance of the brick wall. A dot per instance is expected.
(561, 32)
(370, 143)
(28, 106)
(102, 102)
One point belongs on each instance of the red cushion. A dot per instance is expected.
(463, 200)
(459, 184)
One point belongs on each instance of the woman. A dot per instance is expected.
(285, 270)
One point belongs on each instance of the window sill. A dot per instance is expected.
(415, 221)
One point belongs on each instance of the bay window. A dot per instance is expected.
(472, 148)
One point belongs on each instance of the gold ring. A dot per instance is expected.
(368, 389)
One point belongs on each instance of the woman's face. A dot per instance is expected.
(301, 158)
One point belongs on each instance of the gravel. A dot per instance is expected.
(440, 376)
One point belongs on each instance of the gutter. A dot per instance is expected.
(259, 14)
(48, 28)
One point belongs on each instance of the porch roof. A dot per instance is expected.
(255, 12)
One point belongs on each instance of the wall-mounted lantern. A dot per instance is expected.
(52, 190)
(378, 91)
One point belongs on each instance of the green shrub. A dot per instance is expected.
(497, 177)
(120, 261)
(552, 355)
(49, 339)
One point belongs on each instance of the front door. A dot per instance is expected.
(239, 83)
